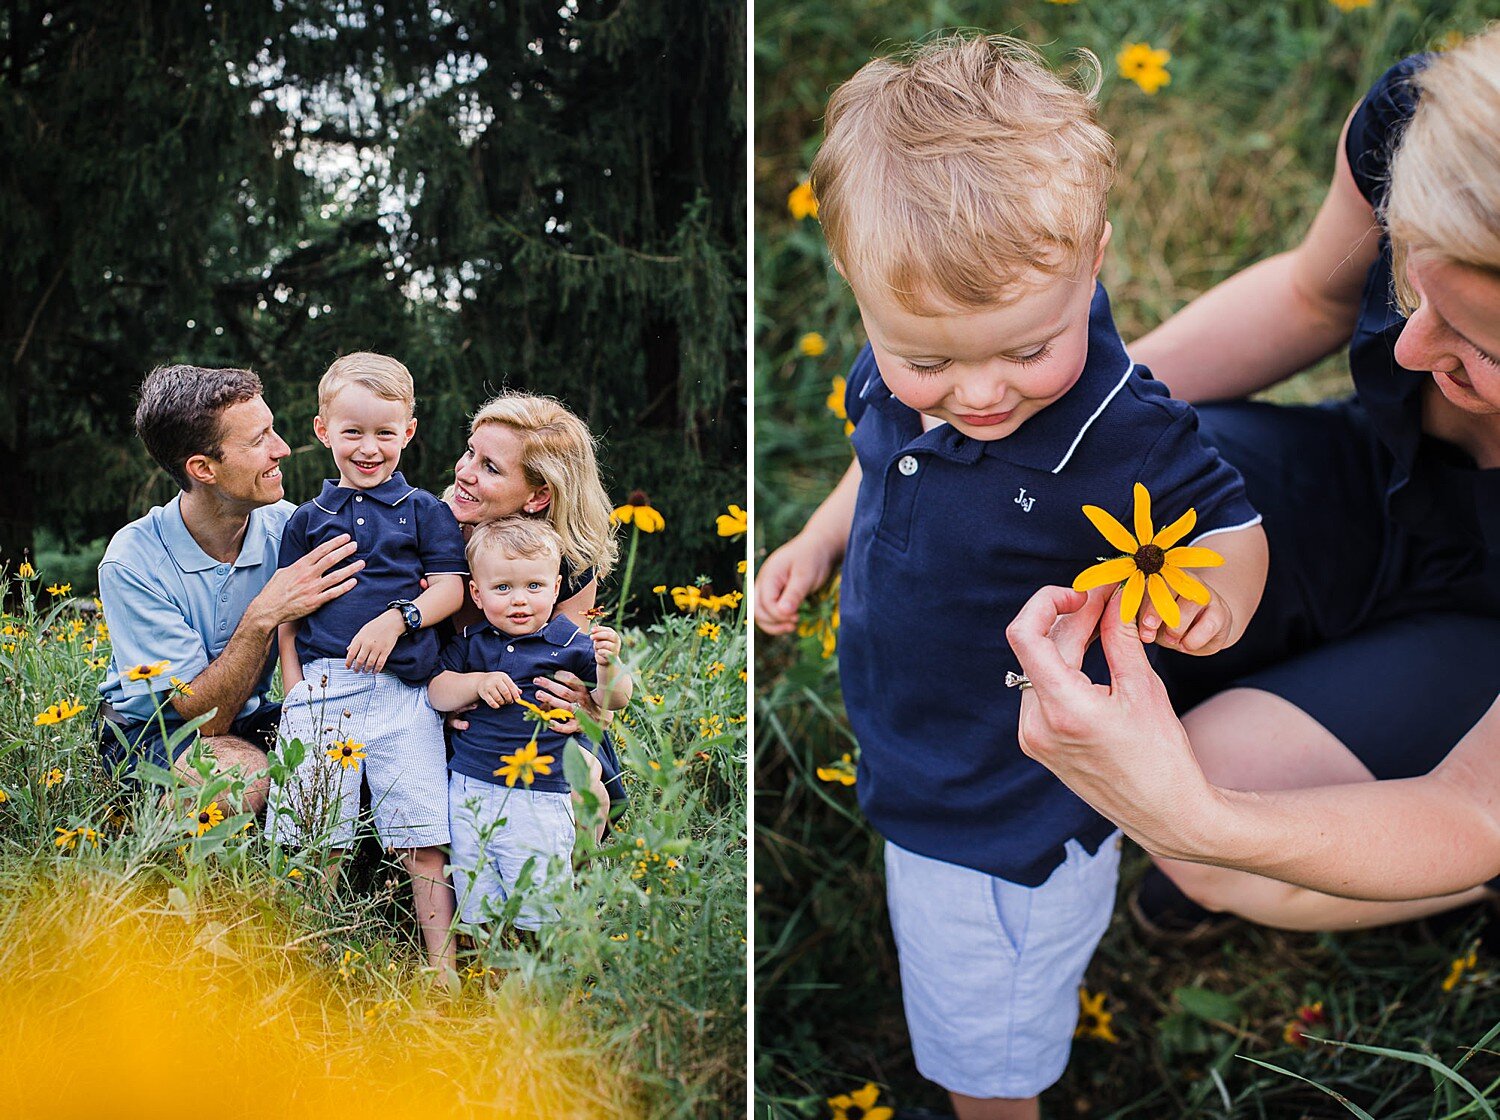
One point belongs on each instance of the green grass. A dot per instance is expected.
(633, 1005)
(1224, 166)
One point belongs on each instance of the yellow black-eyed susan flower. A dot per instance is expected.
(346, 752)
(147, 672)
(1310, 1017)
(1093, 1020)
(1459, 966)
(637, 511)
(1144, 66)
(842, 772)
(802, 202)
(1151, 564)
(56, 713)
(524, 765)
(208, 816)
(59, 589)
(812, 345)
(54, 777)
(734, 523)
(26, 571)
(860, 1105)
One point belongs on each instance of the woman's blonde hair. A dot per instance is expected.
(955, 170)
(557, 451)
(1444, 194)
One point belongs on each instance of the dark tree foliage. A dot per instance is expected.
(547, 196)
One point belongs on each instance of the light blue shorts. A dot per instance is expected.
(496, 829)
(405, 763)
(990, 969)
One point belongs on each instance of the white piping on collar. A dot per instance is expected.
(1227, 529)
(403, 497)
(1072, 447)
(324, 508)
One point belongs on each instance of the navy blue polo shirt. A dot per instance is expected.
(504, 730)
(950, 537)
(1431, 487)
(402, 534)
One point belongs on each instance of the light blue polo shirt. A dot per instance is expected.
(165, 599)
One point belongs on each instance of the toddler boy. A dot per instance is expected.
(508, 800)
(962, 191)
(354, 670)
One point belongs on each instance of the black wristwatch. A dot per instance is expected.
(410, 614)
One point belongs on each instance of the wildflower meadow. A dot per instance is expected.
(159, 950)
(1226, 117)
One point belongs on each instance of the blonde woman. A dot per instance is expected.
(1376, 652)
(529, 455)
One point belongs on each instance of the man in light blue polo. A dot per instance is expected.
(194, 583)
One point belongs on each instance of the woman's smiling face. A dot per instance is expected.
(1455, 332)
(489, 482)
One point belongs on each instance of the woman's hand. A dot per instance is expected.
(568, 691)
(1118, 746)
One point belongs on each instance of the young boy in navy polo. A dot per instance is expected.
(962, 190)
(508, 801)
(355, 670)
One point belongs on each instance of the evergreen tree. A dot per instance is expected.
(515, 194)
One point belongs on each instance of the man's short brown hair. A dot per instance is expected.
(181, 409)
(952, 171)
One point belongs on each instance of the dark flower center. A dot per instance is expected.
(346, 751)
(855, 1112)
(203, 817)
(1150, 559)
(638, 498)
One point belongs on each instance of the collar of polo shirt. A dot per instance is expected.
(1046, 441)
(392, 492)
(559, 631)
(188, 554)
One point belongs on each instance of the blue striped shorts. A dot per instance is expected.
(405, 764)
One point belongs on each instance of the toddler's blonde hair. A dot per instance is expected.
(1444, 194)
(952, 171)
(515, 538)
(387, 378)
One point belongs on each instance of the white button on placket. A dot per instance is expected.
(907, 465)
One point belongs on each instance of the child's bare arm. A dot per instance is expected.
(291, 665)
(1235, 590)
(615, 684)
(369, 649)
(805, 562)
(449, 691)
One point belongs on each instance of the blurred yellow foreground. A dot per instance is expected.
(123, 1004)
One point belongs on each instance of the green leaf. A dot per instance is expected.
(1343, 1100)
(1208, 1005)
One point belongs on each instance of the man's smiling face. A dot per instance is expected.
(248, 466)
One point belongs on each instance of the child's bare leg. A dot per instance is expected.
(432, 899)
(596, 787)
(994, 1108)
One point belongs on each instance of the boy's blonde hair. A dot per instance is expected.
(515, 538)
(951, 171)
(387, 378)
(1444, 194)
(557, 451)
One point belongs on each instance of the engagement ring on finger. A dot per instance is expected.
(1017, 680)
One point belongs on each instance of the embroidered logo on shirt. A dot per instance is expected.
(1024, 502)
(401, 521)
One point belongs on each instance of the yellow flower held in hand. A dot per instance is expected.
(546, 715)
(734, 523)
(524, 765)
(346, 752)
(63, 709)
(812, 345)
(147, 672)
(1093, 1020)
(860, 1105)
(209, 816)
(637, 511)
(802, 202)
(1145, 67)
(1151, 565)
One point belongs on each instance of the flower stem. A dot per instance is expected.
(635, 538)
